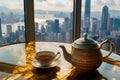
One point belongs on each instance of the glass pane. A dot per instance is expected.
(101, 20)
(12, 29)
(53, 20)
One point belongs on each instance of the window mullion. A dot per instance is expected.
(29, 20)
(76, 19)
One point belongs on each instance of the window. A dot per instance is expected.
(53, 20)
(57, 20)
(12, 29)
(101, 20)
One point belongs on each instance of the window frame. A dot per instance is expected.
(29, 19)
(77, 19)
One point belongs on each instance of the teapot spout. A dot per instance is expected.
(67, 55)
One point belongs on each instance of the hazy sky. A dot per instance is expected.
(12, 4)
(61, 5)
(98, 4)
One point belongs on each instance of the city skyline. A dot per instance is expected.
(99, 28)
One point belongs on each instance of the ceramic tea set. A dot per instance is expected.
(86, 54)
(46, 59)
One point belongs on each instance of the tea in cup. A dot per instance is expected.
(45, 58)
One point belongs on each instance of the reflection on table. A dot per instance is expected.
(10, 69)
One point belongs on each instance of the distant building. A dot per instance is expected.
(0, 30)
(87, 15)
(71, 20)
(117, 45)
(38, 36)
(94, 26)
(49, 26)
(2, 15)
(110, 25)
(56, 27)
(62, 36)
(23, 28)
(18, 28)
(42, 29)
(69, 37)
(116, 24)
(104, 22)
(36, 26)
(66, 24)
(9, 30)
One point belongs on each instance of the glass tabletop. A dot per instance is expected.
(16, 60)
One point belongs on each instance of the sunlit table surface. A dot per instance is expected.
(16, 59)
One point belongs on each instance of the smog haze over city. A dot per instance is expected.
(96, 5)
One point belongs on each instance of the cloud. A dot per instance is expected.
(106, 2)
(117, 2)
(97, 5)
(55, 5)
(15, 4)
(41, 0)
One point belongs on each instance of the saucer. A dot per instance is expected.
(36, 64)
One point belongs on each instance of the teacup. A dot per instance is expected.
(45, 58)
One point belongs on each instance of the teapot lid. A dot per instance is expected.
(85, 43)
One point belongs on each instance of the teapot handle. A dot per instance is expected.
(57, 56)
(111, 47)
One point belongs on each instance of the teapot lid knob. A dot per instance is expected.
(85, 43)
(85, 36)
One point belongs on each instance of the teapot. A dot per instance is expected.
(86, 53)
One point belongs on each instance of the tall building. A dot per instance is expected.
(18, 28)
(94, 26)
(42, 29)
(0, 30)
(56, 27)
(104, 21)
(9, 30)
(87, 16)
(66, 24)
(22, 28)
(110, 25)
(71, 20)
(3, 16)
(36, 26)
(117, 48)
(49, 26)
(116, 24)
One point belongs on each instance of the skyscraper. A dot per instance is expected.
(18, 28)
(56, 26)
(9, 30)
(116, 24)
(87, 16)
(36, 26)
(42, 29)
(104, 21)
(0, 30)
(66, 24)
